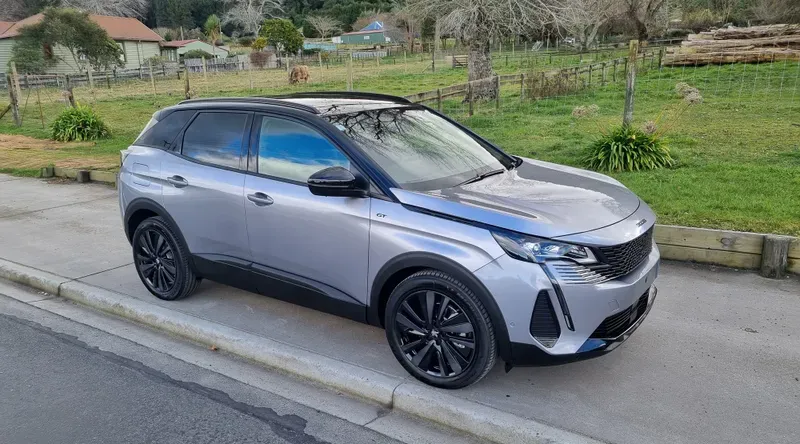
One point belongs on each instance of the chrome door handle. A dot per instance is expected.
(260, 199)
(177, 181)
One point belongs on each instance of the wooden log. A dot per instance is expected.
(754, 32)
(780, 42)
(775, 256)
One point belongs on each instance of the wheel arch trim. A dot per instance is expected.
(418, 260)
(142, 203)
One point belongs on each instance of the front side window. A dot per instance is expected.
(216, 138)
(293, 151)
(418, 149)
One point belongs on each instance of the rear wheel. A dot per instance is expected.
(162, 261)
(439, 330)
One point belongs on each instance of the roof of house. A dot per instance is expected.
(118, 28)
(4, 26)
(364, 32)
(374, 26)
(178, 43)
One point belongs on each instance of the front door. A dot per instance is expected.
(293, 233)
(204, 186)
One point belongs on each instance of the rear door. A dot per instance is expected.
(204, 186)
(320, 238)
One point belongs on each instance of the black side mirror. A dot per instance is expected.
(337, 181)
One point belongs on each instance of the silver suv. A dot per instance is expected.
(379, 210)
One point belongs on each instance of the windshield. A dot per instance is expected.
(418, 149)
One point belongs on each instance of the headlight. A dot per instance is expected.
(534, 249)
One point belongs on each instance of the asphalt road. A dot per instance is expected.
(57, 389)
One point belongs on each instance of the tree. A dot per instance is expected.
(119, 8)
(282, 34)
(213, 31)
(476, 22)
(72, 30)
(324, 25)
(583, 18)
(250, 14)
(197, 54)
(644, 14)
(776, 11)
(348, 11)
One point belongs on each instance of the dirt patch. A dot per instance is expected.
(28, 152)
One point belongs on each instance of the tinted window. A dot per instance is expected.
(417, 148)
(293, 151)
(215, 138)
(163, 133)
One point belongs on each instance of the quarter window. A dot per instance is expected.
(163, 132)
(293, 151)
(216, 138)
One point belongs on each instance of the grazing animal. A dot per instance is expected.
(299, 72)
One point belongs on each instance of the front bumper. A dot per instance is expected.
(581, 310)
(528, 354)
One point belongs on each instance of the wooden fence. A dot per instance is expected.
(545, 84)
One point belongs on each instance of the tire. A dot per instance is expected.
(167, 274)
(452, 348)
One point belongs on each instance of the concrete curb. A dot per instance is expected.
(393, 392)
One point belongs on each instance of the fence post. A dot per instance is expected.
(186, 83)
(350, 73)
(68, 87)
(39, 102)
(603, 77)
(152, 80)
(469, 98)
(13, 101)
(541, 83)
(90, 76)
(250, 73)
(14, 94)
(405, 66)
(108, 81)
(439, 99)
(590, 75)
(497, 95)
(614, 74)
(319, 58)
(522, 86)
(577, 79)
(660, 56)
(633, 50)
(205, 76)
(433, 59)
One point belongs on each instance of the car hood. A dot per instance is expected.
(536, 198)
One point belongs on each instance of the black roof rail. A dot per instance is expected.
(260, 100)
(342, 95)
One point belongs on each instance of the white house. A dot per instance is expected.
(175, 49)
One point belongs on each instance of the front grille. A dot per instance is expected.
(616, 324)
(544, 324)
(619, 260)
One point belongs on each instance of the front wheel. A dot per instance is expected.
(440, 331)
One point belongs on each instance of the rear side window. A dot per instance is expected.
(163, 133)
(216, 138)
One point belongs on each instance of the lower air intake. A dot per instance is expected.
(544, 324)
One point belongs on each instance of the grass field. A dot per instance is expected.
(738, 152)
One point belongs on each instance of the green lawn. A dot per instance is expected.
(738, 153)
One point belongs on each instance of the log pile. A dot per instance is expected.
(753, 44)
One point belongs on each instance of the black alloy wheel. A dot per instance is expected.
(436, 334)
(439, 330)
(156, 260)
(162, 261)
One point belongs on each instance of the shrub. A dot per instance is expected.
(585, 111)
(259, 44)
(79, 123)
(627, 149)
(260, 59)
(246, 40)
(196, 54)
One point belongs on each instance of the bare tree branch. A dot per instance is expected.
(583, 18)
(324, 25)
(250, 14)
(119, 8)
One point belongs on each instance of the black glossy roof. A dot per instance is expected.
(314, 102)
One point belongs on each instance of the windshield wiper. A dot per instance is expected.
(482, 176)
